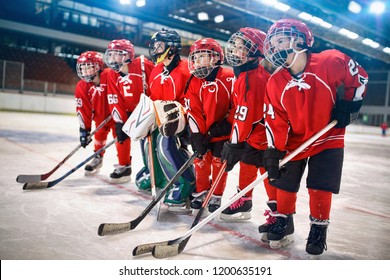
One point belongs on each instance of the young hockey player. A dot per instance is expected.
(244, 51)
(91, 104)
(208, 101)
(124, 87)
(167, 82)
(305, 93)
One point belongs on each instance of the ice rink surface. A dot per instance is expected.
(61, 223)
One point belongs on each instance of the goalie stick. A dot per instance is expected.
(38, 178)
(46, 185)
(159, 251)
(171, 248)
(116, 228)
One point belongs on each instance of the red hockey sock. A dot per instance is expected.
(286, 202)
(320, 203)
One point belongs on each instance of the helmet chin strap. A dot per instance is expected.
(163, 56)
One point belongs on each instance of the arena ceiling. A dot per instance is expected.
(183, 14)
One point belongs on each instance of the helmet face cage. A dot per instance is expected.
(88, 65)
(201, 63)
(163, 44)
(284, 38)
(115, 59)
(205, 55)
(239, 48)
(119, 53)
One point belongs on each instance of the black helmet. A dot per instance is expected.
(164, 44)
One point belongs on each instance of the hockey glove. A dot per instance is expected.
(222, 128)
(85, 138)
(346, 112)
(170, 116)
(271, 160)
(231, 153)
(199, 143)
(121, 136)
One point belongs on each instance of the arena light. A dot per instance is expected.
(203, 16)
(125, 2)
(349, 34)
(219, 19)
(370, 43)
(305, 16)
(140, 3)
(354, 7)
(377, 7)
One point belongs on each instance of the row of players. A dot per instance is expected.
(244, 115)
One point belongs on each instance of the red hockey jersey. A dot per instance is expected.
(249, 94)
(209, 102)
(124, 91)
(91, 101)
(300, 107)
(169, 86)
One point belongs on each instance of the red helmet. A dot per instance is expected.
(294, 36)
(245, 43)
(89, 63)
(118, 53)
(205, 55)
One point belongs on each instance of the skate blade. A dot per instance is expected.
(121, 180)
(241, 216)
(91, 173)
(204, 214)
(315, 257)
(277, 244)
(179, 210)
(264, 238)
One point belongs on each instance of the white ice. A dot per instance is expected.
(61, 223)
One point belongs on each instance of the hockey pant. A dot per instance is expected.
(205, 167)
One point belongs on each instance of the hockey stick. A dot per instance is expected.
(174, 247)
(160, 251)
(115, 228)
(38, 178)
(46, 185)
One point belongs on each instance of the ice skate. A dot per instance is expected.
(197, 202)
(214, 203)
(238, 211)
(121, 174)
(94, 166)
(316, 242)
(280, 234)
(263, 229)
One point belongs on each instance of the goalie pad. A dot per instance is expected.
(171, 158)
(142, 120)
(170, 117)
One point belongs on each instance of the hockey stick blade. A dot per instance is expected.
(116, 228)
(174, 247)
(36, 186)
(38, 178)
(147, 248)
(46, 185)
